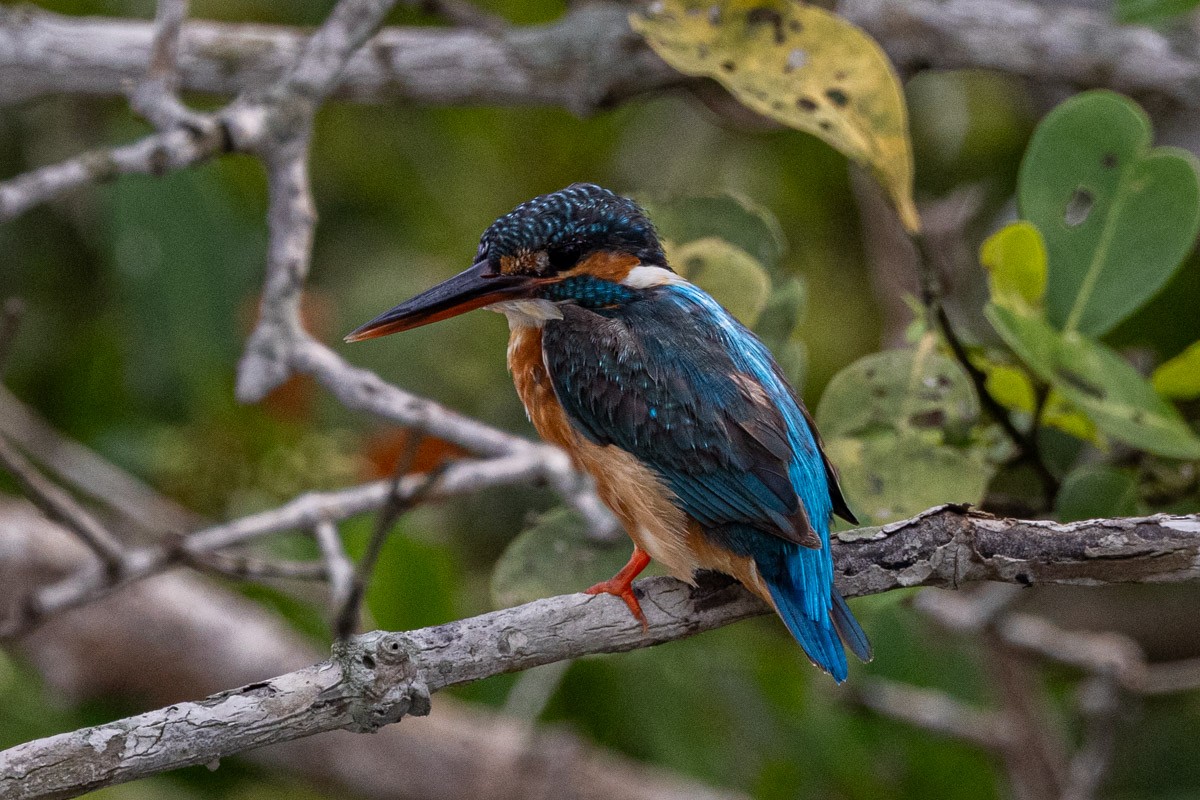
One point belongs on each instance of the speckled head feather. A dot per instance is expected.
(554, 232)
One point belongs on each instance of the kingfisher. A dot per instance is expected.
(680, 414)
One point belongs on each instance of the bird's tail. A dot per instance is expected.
(815, 613)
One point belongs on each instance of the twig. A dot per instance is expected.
(338, 566)
(10, 320)
(89, 474)
(397, 503)
(933, 710)
(247, 567)
(61, 507)
(1037, 759)
(1026, 441)
(1103, 707)
(156, 97)
(1172, 676)
(303, 512)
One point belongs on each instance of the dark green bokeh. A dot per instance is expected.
(140, 293)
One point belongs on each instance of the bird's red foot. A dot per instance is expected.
(621, 585)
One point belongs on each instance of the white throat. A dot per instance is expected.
(531, 313)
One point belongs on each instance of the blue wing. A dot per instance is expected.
(679, 383)
(660, 381)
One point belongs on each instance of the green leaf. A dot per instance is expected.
(890, 419)
(1140, 12)
(1118, 217)
(1098, 381)
(1180, 376)
(731, 275)
(800, 65)
(890, 476)
(793, 360)
(725, 216)
(1015, 257)
(898, 390)
(1097, 492)
(783, 313)
(554, 556)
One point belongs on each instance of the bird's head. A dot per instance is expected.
(580, 244)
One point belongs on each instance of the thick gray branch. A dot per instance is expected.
(378, 678)
(590, 58)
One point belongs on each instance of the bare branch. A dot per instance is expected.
(590, 58)
(248, 567)
(302, 513)
(154, 155)
(88, 473)
(338, 566)
(932, 710)
(345, 620)
(61, 507)
(156, 96)
(466, 14)
(376, 679)
(219, 638)
(1172, 676)
(10, 320)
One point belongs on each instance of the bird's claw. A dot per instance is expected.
(623, 590)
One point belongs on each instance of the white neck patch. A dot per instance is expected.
(645, 277)
(529, 313)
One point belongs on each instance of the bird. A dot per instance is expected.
(694, 438)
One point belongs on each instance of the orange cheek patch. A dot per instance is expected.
(606, 264)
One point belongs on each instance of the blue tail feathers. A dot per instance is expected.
(823, 627)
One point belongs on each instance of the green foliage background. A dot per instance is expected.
(140, 292)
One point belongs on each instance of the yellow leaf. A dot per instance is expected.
(800, 65)
(1016, 258)
(1011, 387)
(1060, 413)
(1180, 376)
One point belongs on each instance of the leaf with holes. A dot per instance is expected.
(1179, 377)
(1117, 216)
(800, 65)
(899, 427)
(725, 271)
(891, 476)
(899, 390)
(1100, 383)
(554, 556)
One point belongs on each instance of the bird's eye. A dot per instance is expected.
(563, 258)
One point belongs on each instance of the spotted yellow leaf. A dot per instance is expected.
(799, 65)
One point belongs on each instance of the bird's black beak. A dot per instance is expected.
(474, 288)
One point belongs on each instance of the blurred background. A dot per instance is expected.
(140, 292)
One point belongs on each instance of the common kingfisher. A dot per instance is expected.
(694, 437)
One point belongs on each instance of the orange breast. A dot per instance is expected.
(634, 493)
